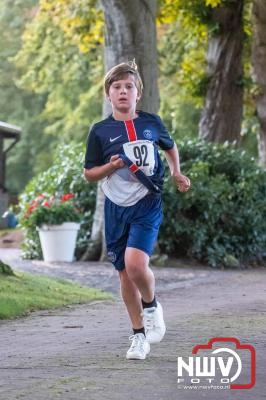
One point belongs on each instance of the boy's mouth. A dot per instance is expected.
(122, 99)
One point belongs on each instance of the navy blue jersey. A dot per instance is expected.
(108, 137)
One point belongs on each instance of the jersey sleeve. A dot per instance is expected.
(165, 141)
(93, 156)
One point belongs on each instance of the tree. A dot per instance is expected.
(222, 114)
(61, 57)
(259, 72)
(191, 30)
(130, 32)
(18, 106)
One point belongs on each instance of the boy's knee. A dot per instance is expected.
(136, 262)
(135, 270)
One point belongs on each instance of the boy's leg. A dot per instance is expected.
(140, 346)
(138, 270)
(137, 282)
(137, 267)
(132, 299)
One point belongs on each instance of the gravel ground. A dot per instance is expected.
(78, 352)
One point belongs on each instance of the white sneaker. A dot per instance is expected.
(139, 347)
(154, 323)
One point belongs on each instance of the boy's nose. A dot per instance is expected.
(123, 90)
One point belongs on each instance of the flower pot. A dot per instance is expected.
(58, 241)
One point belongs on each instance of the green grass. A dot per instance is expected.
(23, 293)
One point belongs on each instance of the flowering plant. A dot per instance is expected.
(53, 210)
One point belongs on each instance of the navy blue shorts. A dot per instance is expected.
(134, 226)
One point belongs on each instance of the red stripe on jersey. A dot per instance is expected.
(133, 168)
(131, 132)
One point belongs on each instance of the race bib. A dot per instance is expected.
(141, 153)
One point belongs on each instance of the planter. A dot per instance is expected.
(58, 241)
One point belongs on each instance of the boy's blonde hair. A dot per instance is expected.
(119, 71)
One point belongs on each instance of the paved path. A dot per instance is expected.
(79, 352)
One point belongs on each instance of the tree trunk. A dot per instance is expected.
(94, 248)
(130, 32)
(222, 114)
(259, 71)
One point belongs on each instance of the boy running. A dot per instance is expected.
(123, 150)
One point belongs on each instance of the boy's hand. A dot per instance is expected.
(116, 162)
(182, 182)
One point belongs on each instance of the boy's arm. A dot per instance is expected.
(181, 181)
(100, 172)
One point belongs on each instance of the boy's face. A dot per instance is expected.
(123, 94)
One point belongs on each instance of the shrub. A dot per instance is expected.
(51, 210)
(65, 176)
(222, 218)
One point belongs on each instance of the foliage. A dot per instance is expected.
(222, 219)
(61, 57)
(6, 269)
(182, 45)
(183, 32)
(179, 85)
(54, 85)
(195, 12)
(48, 84)
(51, 210)
(81, 21)
(17, 106)
(65, 176)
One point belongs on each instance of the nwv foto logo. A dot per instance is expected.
(223, 365)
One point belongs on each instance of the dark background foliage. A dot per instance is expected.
(221, 220)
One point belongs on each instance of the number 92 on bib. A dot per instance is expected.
(141, 153)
